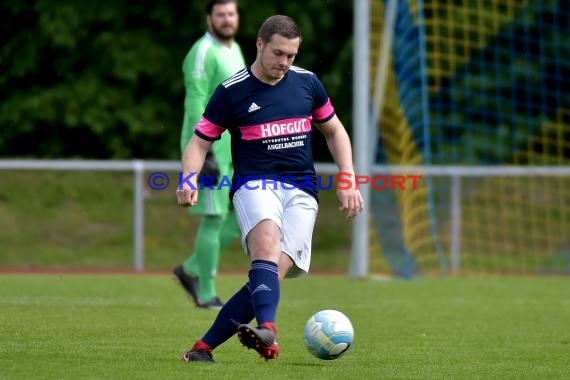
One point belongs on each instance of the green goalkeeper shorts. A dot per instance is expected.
(215, 200)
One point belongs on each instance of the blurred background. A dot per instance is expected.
(474, 96)
(103, 79)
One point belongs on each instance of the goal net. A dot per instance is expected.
(481, 85)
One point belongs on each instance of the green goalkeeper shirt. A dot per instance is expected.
(207, 64)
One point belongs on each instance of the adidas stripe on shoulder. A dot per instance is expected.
(240, 76)
(301, 70)
(200, 57)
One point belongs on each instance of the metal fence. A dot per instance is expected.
(140, 167)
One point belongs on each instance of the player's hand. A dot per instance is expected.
(187, 196)
(351, 202)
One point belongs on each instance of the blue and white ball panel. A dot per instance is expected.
(328, 334)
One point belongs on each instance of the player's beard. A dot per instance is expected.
(226, 32)
(274, 72)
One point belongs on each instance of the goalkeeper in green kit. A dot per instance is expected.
(211, 60)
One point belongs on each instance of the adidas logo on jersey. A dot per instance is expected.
(253, 107)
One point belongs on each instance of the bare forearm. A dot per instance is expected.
(338, 143)
(194, 154)
(192, 162)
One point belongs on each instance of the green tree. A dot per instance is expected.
(103, 79)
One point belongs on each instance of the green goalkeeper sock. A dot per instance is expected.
(204, 261)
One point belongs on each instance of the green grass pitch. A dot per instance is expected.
(137, 326)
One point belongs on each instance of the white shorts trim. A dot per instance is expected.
(294, 212)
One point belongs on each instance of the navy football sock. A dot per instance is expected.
(265, 291)
(238, 310)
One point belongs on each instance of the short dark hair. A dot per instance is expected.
(210, 4)
(283, 25)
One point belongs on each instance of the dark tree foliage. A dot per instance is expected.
(102, 79)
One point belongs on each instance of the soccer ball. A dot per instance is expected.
(328, 334)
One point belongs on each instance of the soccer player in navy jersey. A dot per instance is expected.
(269, 109)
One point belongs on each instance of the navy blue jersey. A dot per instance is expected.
(270, 125)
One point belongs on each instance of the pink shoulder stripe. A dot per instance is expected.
(323, 112)
(209, 129)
